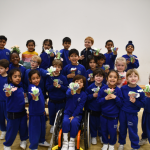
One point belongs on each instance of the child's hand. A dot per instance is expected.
(115, 52)
(52, 55)
(112, 96)
(132, 99)
(133, 61)
(107, 70)
(59, 86)
(71, 75)
(147, 94)
(108, 97)
(95, 94)
(71, 118)
(72, 93)
(25, 95)
(33, 96)
(95, 54)
(128, 61)
(81, 57)
(7, 94)
(55, 84)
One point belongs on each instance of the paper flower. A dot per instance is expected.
(114, 49)
(106, 67)
(90, 76)
(56, 80)
(47, 51)
(51, 70)
(96, 90)
(97, 51)
(8, 88)
(74, 86)
(15, 48)
(35, 92)
(147, 88)
(140, 90)
(133, 94)
(132, 58)
(109, 91)
(58, 54)
(121, 75)
(73, 70)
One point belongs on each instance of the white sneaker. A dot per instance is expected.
(26, 100)
(120, 147)
(111, 147)
(2, 137)
(105, 147)
(72, 145)
(143, 141)
(101, 139)
(23, 144)
(65, 145)
(52, 129)
(44, 144)
(7, 148)
(94, 140)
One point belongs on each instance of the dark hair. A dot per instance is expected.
(73, 51)
(30, 41)
(113, 71)
(14, 52)
(91, 57)
(50, 43)
(109, 41)
(33, 72)
(4, 63)
(100, 56)
(11, 72)
(66, 39)
(78, 77)
(99, 71)
(2, 37)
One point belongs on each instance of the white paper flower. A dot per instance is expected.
(51, 70)
(140, 90)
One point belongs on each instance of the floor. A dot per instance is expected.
(15, 145)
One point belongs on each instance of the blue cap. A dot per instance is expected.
(129, 43)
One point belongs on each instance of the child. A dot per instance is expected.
(110, 99)
(93, 107)
(73, 113)
(4, 64)
(55, 85)
(100, 60)
(77, 68)
(26, 56)
(46, 58)
(89, 72)
(4, 53)
(36, 113)
(88, 42)
(135, 62)
(16, 112)
(121, 66)
(65, 52)
(128, 116)
(110, 56)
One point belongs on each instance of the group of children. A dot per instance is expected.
(102, 91)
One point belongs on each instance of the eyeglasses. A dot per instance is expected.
(35, 62)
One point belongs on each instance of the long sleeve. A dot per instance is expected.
(43, 72)
(49, 84)
(64, 86)
(119, 98)
(141, 101)
(101, 99)
(114, 57)
(89, 93)
(135, 64)
(68, 93)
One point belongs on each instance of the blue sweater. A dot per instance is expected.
(36, 107)
(91, 101)
(147, 105)
(110, 60)
(46, 60)
(131, 65)
(54, 93)
(128, 106)
(65, 55)
(16, 102)
(3, 81)
(75, 103)
(110, 108)
(5, 54)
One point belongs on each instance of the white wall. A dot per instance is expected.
(119, 20)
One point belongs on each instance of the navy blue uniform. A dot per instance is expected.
(5, 54)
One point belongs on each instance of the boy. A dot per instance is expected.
(65, 52)
(71, 70)
(135, 62)
(56, 87)
(100, 61)
(4, 66)
(88, 42)
(4, 53)
(110, 56)
(93, 106)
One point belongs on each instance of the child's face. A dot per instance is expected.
(80, 82)
(31, 47)
(2, 44)
(133, 79)
(46, 45)
(66, 45)
(98, 78)
(120, 66)
(58, 69)
(100, 62)
(74, 58)
(88, 43)
(3, 70)
(109, 45)
(34, 63)
(92, 64)
(16, 78)
(130, 49)
(15, 59)
(112, 78)
(35, 79)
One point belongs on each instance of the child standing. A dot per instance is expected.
(26, 56)
(36, 113)
(93, 107)
(55, 85)
(100, 60)
(16, 112)
(110, 99)
(46, 58)
(73, 113)
(4, 64)
(4, 53)
(133, 101)
(110, 56)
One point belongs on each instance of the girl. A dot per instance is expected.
(89, 72)
(26, 56)
(110, 99)
(46, 58)
(73, 112)
(133, 101)
(36, 112)
(16, 112)
(121, 66)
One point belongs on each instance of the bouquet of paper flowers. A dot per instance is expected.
(106, 67)
(96, 90)
(15, 48)
(132, 58)
(121, 75)
(56, 80)
(51, 70)
(8, 88)
(73, 70)
(147, 88)
(74, 86)
(58, 54)
(133, 94)
(97, 50)
(109, 91)
(114, 49)
(49, 51)
(90, 76)
(35, 92)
